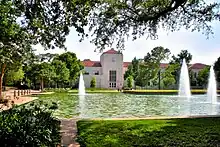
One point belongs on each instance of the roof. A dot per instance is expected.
(112, 51)
(197, 66)
(126, 64)
(164, 65)
(89, 63)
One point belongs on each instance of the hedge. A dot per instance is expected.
(30, 125)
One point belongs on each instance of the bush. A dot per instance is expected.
(93, 82)
(129, 81)
(30, 125)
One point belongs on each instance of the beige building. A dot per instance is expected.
(109, 71)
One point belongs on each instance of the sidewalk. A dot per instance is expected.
(69, 132)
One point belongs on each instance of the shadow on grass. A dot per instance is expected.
(170, 132)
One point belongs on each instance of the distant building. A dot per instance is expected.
(109, 71)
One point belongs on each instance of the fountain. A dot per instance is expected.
(81, 94)
(212, 87)
(184, 85)
(81, 85)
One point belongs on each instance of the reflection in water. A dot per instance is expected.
(81, 106)
(125, 105)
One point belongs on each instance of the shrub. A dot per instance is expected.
(129, 81)
(30, 125)
(93, 82)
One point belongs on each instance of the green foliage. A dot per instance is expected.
(149, 69)
(217, 69)
(61, 72)
(93, 82)
(129, 72)
(130, 81)
(14, 75)
(30, 125)
(203, 76)
(168, 79)
(72, 63)
(192, 78)
(46, 71)
(177, 60)
(164, 132)
(184, 54)
(132, 69)
(113, 21)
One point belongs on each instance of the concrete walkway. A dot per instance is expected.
(69, 133)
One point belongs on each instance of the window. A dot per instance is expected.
(112, 75)
(113, 59)
(97, 73)
(195, 75)
(112, 85)
(86, 73)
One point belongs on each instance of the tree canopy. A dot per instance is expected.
(217, 69)
(113, 21)
(184, 54)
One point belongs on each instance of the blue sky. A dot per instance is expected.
(203, 50)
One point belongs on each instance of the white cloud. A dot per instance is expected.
(203, 50)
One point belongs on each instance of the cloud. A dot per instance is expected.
(203, 50)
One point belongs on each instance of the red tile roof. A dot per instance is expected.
(126, 64)
(89, 63)
(111, 51)
(164, 65)
(197, 66)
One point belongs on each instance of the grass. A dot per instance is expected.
(167, 132)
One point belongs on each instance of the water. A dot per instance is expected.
(184, 85)
(117, 105)
(125, 105)
(81, 85)
(212, 87)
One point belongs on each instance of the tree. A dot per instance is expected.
(129, 72)
(113, 21)
(132, 69)
(177, 60)
(61, 72)
(184, 54)
(130, 81)
(48, 57)
(203, 76)
(192, 77)
(26, 23)
(93, 82)
(13, 76)
(217, 69)
(168, 77)
(150, 67)
(45, 72)
(72, 63)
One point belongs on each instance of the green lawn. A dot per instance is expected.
(91, 90)
(127, 133)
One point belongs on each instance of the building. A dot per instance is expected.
(109, 71)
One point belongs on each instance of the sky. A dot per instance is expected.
(202, 49)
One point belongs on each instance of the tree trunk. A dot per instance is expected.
(42, 84)
(1, 79)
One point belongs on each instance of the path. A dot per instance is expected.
(18, 100)
(69, 133)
